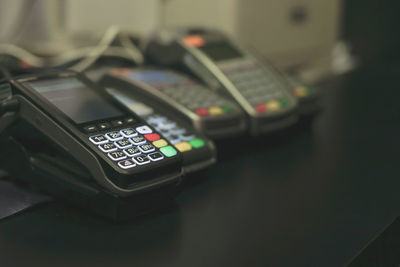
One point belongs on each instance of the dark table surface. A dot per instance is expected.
(312, 195)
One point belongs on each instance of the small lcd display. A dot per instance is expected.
(155, 76)
(75, 99)
(220, 51)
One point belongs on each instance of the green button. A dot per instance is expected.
(283, 102)
(227, 109)
(197, 142)
(168, 151)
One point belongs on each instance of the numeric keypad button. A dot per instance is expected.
(167, 126)
(173, 139)
(128, 133)
(133, 151)
(146, 148)
(141, 159)
(114, 136)
(178, 131)
(156, 119)
(138, 140)
(108, 147)
(126, 164)
(156, 156)
(116, 155)
(166, 134)
(187, 137)
(98, 139)
(144, 129)
(124, 143)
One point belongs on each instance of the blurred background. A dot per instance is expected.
(315, 37)
(289, 33)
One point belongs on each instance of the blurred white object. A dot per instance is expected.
(337, 62)
(342, 59)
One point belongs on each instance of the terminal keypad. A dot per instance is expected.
(198, 99)
(182, 138)
(259, 87)
(133, 146)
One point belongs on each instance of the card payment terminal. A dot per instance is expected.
(231, 70)
(104, 148)
(208, 112)
(198, 151)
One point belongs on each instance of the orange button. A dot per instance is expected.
(183, 146)
(160, 143)
(193, 40)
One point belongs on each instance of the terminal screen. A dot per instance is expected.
(75, 99)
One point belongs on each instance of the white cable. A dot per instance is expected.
(71, 55)
(105, 42)
(91, 54)
(110, 35)
(113, 51)
(132, 49)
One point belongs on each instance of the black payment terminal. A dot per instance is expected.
(231, 70)
(198, 151)
(104, 148)
(207, 112)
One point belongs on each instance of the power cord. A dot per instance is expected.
(127, 50)
(85, 56)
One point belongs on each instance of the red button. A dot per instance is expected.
(152, 137)
(202, 111)
(260, 108)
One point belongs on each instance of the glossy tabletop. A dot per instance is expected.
(312, 195)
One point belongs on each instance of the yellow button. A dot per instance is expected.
(300, 91)
(215, 111)
(160, 143)
(273, 105)
(183, 146)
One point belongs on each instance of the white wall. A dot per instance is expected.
(141, 16)
(268, 27)
(221, 14)
(9, 11)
